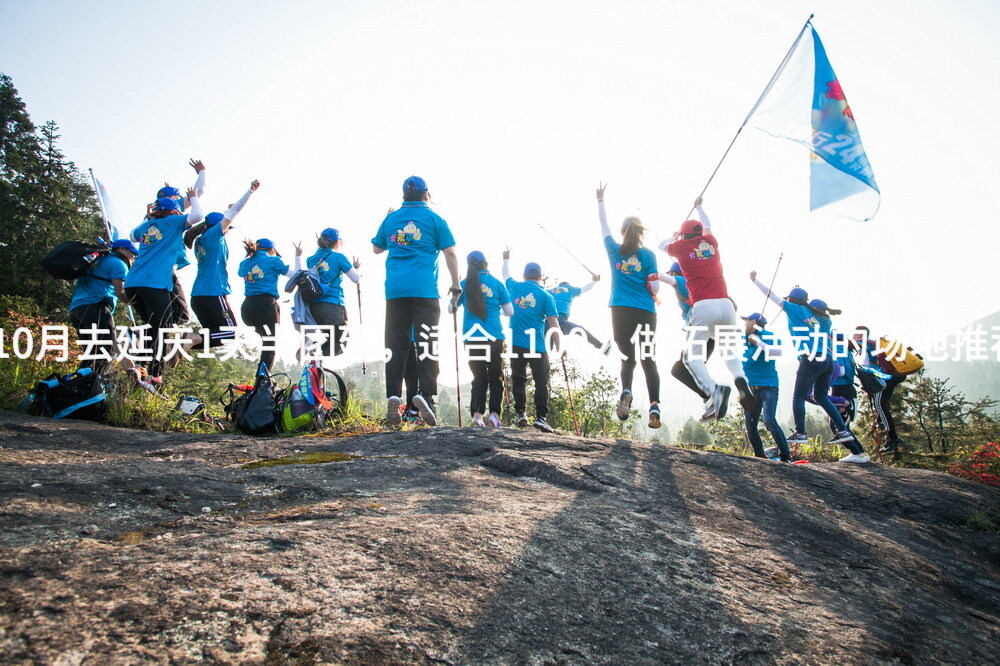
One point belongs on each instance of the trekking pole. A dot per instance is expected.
(458, 381)
(567, 249)
(572, 407)
(361, 328)
(767, 296)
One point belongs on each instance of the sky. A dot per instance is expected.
(514, 111)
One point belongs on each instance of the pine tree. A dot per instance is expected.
(44, 200)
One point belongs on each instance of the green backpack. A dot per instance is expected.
(320, 395)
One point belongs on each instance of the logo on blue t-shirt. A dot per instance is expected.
(407, 235)
(527, 302)
(703, 251)
(630, 265)
(255, 274)
(151, 235)
(487, 292)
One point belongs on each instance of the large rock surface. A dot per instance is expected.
(478, 546)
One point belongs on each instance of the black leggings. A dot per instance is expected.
(261, 312)
(214, 314)
(155, 308)
(95, 315)
(331, 314)
(626, 322)
(520, 359)
(487, 372)
(883, 400)
(681, 373)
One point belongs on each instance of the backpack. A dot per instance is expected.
(78, 395)
(253, 412)
(898, 360)
(872, 380)
(310, 288)
(312, 401)
(72, 259)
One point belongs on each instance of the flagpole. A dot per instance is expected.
(767, 89)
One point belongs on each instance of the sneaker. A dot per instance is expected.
(392, 411)
(797, 438)
(842, 436)
(771, 452)
(543, 426)
(606, 348)
(654, 417)
(477, 421)
(494, 420)
(424, 409)
(709, 414)
(624, 405)
(721, 401)
(856, 458)
(747, 399)
(892, 446)
(522, 420)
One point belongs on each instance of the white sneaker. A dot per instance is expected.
(840, 436)
(856, 458)
(425, 411)
(495, 421)
(709, 414)
(624, 405)
(477, 421)
(392, 413)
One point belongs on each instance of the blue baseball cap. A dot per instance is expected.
(214, 218)
(166, 203)
(532, 270)
(265, 244)
(414, 183)
(476, 256)
(798, 293)
(168, 192)
(125, 243)
(675, 268)
(758, 318)
(331, 234)
(818, 304)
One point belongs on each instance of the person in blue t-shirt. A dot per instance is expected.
(260, 272)
(149, 284)
(95, 296)
(565, 293)
(760, 350)
(484, 298)
(842, 386)
(534, 315)
(330, 309)
(809, 324)
(209, 294)
(413, 236)
(634, 285)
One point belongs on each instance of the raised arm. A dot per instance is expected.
(594, 279)
(605, 229)
(298, 261)
(767, 292)
(706, 224)
(196, 215)
(235, 209)
(505, 271)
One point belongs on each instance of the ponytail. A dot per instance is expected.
(250, 246)
(474, 301)
(632, 236)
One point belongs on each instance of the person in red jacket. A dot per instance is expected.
(712, 316)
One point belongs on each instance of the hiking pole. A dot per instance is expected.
(458, 381)
(767, 296)
(572, 407)
(361, 328)
(567, 249)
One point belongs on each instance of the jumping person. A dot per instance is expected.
(564, 294)
(150, 281)
(713, 314)
(210, 292)
(413, 236)
(484, 298)
(330, 309)
(96, 293)
(760, 350)
(809, 324)
(675, 278)
(634, 284)
(535, 313)
(260, 271)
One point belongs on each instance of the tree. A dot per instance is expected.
(43, 200)
(694, 433)
(945, 419)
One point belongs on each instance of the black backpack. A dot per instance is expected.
(253, 412)
(78, 395)
(72, 259)
(309, 287)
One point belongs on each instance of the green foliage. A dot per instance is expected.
(44, 200)
(693, 433)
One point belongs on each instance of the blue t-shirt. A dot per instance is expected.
(532, 304)
(564, 295)
(759, 370)
(628, 276)
(801, 323)
(846, 379)
(161, 241)
(495, 295)
(330, 266)
(212, 253)
(260, 273)
(683, 297)
(413, 237)
(90, 288)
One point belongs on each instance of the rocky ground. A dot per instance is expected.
(478, 546)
